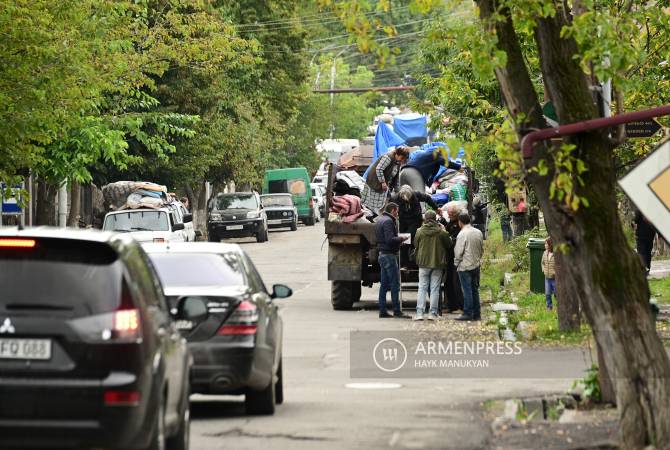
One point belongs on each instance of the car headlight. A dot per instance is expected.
(215, 216)
(253, 215)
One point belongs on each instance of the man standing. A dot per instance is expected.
(388, 244)
(468, 259)
(452, 285)
(432, 244)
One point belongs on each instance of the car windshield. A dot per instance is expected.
(198, 269)
(137, 221)
(236, 202)
(294, 186)
(71, 278)
(276, 200)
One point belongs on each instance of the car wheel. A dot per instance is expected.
(279, 386)
(180, 441)
(158, 434)
(294, 225)
(213, 238)
(310, 221)
(262, 235)
(261, 402)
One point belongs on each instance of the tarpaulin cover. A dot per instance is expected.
(431, 163)
(384, 138)
(410, 126)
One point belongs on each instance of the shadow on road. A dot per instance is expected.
(208, 409)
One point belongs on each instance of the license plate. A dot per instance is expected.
(234, 227)
(274, 222)
(184, 325)
(25, 349)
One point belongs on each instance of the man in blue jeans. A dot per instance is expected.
(468, 259)
(388, 244)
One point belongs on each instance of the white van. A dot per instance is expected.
(167, 224)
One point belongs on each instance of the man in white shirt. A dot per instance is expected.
(468, 259)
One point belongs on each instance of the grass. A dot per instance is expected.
(542, 324)
(660, 290)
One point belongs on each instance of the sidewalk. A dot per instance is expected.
(660, 269)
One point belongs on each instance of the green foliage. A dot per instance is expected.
(519, 251)
(591, 384)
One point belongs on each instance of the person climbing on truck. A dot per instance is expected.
(382, 178)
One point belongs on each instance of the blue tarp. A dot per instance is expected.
(384, 138)
(431, 163)
(410, 126)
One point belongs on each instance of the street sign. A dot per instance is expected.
(642, 129)
(648, 186)
(10, 205)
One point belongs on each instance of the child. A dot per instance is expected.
(548, 268)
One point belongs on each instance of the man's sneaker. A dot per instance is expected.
(384, 315)
(477, 318)
(432, 316)
(401, 316)
(418, 317)
(464, 317)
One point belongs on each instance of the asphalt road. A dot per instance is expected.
(320, 410)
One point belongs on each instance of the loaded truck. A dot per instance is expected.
(352, 247)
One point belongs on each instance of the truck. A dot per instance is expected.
(352, 247)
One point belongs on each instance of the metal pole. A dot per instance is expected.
(62, 205)
(30, 200)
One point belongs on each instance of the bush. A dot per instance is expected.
(519, 251)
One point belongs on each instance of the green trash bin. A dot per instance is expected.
(535, 248)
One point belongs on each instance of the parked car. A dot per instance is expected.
(89, 354)
(236, 336)
(280, 210)
(294, 181)
(319, 200)
(166, 224)
(238, 214)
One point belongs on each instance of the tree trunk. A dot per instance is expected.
(75, 205)
(198, 202)
(45, 208)
(599, 267)
(567, 307)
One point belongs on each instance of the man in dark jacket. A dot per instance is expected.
(388, 244)
(410, 214)
(432, 245)
(452, 285)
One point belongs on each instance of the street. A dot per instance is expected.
(320, 411)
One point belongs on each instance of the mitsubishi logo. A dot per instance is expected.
(7, 327)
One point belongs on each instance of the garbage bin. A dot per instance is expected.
(535, 248)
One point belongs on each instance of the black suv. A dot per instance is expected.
(89, 355)
(239, 214)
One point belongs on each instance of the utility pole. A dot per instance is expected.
(333, 72)
(62, 205)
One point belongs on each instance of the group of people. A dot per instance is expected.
(448, 252)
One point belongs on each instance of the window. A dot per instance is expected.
(204, 269)
(228, 201)
(276, 200)
(137, 221)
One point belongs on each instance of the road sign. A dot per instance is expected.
(10, 206)
(648, 186)
(642, 129)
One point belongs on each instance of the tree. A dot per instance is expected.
(575, 181)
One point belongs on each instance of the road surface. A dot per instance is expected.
(320, 411)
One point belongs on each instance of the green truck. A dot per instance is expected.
(294, 181)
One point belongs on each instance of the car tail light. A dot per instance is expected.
(243, 321)
(159, 240)
(17, 243)
(127, 320)
(122, 398)
(311, 202)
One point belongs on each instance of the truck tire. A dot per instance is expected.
(344, 293)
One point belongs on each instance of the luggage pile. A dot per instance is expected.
(135, 194)
(452, 185)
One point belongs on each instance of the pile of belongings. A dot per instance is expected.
(348, 182)
(451, 185)
(345, 208)
(134, 194)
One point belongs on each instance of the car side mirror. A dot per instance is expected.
(281, 291)
(177, 227)
(192, 308)
(188, 218)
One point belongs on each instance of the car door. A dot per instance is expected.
(269, 317)
(189, 228)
